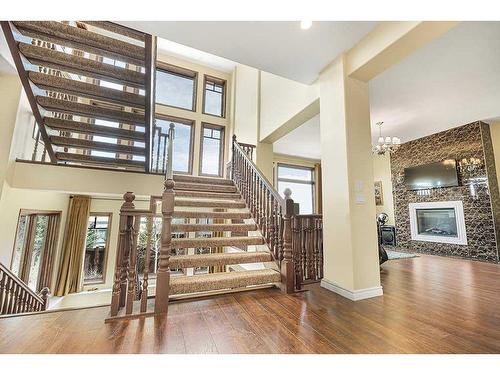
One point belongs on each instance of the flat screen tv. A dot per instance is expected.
(434, 175)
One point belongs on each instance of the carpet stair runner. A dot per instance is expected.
(200, 202)
(65, 64)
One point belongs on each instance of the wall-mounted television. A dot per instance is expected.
(433, 175)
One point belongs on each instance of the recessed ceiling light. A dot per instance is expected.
(304, 25)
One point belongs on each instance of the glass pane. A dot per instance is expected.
(210, 163)
(95, 248)
(214, 96)
(36, 254)
(174, 89)
(182, 145)
(18, 247)
(303, 174)
(301, 194)
(437, 222)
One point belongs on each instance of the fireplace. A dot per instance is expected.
(438, 222)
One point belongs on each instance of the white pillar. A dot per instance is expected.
(350, 237)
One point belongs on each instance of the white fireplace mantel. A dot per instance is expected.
(460, 239)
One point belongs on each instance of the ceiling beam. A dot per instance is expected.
(389, 43)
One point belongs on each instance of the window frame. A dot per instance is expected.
(216, 80)
(180, 72)
(222, 129)
(312, 182)
(105, 262)
(184, 121)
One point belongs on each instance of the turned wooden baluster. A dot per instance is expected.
(121, 253)
(147, 257)
(287, 268)
(131, 292)
(167, 209)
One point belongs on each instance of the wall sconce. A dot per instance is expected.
(470, 164)
(400, 177)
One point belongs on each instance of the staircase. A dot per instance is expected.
(90, 86)
(205, 198)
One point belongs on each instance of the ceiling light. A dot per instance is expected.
(304, 25)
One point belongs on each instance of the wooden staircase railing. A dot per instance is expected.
(16, 297)
(127, 288)
(271, 212)
(307, 245)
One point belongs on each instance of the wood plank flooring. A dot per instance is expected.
(430, 305)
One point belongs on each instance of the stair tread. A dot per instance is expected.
(205, 187)
(86, 128)
(74, 37)
(203, 180)
(222, 280)
(178, 243)
(214, 227)
(89, 159)
(211, 214)
(209, 203)
(218, 259)
(207, 194)
(84, 89)
(96, 145)
(80, 65)
(66, 106)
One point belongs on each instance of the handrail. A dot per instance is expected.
(17, 297)
(268, 184)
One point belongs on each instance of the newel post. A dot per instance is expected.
(119, 290)
(163, 273)
(287, 266)
(45, 298)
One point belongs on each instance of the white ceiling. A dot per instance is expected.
(303, 141)
(452, 81)
(279, 47)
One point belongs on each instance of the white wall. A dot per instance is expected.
(382, 172)
(246, 102)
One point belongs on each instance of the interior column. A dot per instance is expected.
(351, 266)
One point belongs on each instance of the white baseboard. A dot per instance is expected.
(353, 295)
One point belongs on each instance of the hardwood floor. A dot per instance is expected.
(430, 305)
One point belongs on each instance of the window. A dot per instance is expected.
(212, 143)
(300, 180)
(214, 96)
(176, 87)
(96, 248)
(34, 247)
(181, 158)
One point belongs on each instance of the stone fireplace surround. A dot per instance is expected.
(477, 191)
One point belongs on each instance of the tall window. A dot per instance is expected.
(212, 146)
(96, 248)
(181, 159)
(300, 180)
(214, 96)
(176, 87)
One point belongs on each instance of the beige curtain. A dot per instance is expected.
(68, 279)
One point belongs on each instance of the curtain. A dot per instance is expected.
(48, 252)
(68, 279)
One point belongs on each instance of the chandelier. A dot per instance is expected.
(385, 144)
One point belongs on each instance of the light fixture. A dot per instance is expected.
(304, 25)
(385, 144)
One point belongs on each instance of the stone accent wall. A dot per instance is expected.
(471, 140)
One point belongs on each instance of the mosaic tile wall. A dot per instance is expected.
(471, 140)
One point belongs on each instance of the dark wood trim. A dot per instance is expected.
(84, 167)
(106, 254)
(222, 146)
(150, 100)
(192, 124)
(23, 75)
(221, 81)
(181, 72)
